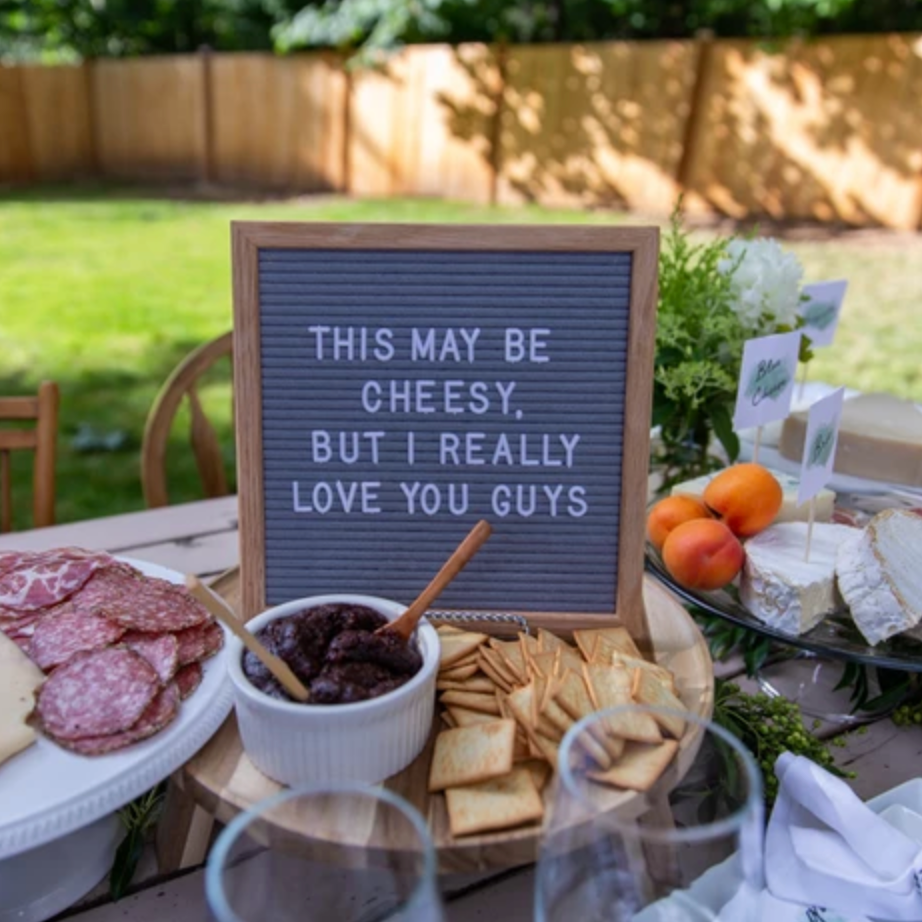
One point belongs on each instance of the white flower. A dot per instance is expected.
(766, 284)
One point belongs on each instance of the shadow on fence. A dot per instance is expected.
(827, 130)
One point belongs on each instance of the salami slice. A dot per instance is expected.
(9, 560)
(146, 604)
(57, 638)
(42, 579)
(200, 642)
(14, 617)
(96, 693)
(188, 679)
(109, 589)
(160, 650)
(156, 716)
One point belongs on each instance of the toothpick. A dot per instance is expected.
(810, 520)
(756, 444)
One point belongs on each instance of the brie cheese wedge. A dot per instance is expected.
(879, 574)
(781, 588)
(789, 511)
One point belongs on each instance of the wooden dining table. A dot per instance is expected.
(202, 538)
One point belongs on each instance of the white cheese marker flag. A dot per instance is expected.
(819, 453)
(766, 384)
(820, 314)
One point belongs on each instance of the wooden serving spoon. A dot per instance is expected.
(406, 623)
(226, 615)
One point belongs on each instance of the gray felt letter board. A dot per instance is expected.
(397, 383)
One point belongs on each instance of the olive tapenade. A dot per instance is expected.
(334, 650)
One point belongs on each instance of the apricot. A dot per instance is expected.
(670, 512)
(703, 554)
(745, 497)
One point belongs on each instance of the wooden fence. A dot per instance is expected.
(828, 129)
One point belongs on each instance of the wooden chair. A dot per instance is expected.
(182, 383)
(41, 439)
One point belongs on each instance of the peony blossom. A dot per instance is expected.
(766, 284)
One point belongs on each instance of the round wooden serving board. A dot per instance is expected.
(224, 782)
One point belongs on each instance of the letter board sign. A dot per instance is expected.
(395, 383)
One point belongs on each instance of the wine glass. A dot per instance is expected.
(350, 852)
(687, 849)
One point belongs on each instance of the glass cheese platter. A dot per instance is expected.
(836, 636)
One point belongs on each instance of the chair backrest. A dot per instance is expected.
(182, 383)
(40, 438)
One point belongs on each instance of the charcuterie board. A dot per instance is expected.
(224, 782)
(47, 792)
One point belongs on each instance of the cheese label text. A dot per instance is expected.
(766, 379)
(820, 445)
(820, 311)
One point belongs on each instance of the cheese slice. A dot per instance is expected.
(781, 588)
(880, 575)
(789, 512)
(19, 679)
(880, 438)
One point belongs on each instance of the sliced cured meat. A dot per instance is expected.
(188, 679)
(109, 590)
(24, 627)
(153, 606)
(156, 716)
(43, 579)
(9, 560)
(13, 617)
(57, 638)
(160, 650)
(96, 694)
(200, 642)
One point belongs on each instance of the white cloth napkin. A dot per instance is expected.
(824, 847)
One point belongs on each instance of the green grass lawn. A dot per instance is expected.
(104, 290)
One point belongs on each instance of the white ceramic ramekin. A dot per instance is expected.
(365, 741)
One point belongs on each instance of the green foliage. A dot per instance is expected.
(726, 639)
(61, 29)
(105, 289)
(699, 346)
(768, 727)
(139, 818)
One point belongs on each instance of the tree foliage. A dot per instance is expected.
(95, 28)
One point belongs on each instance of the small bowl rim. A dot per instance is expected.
(427, 640)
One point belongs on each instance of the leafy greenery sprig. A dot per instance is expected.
(768, 727)
(699, 344)
(138, 817)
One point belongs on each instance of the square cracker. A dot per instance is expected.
(459, 672)
(654, 693)
(456, 646)
(610, 686)
(463, 717)
(609, 640)
(479, 685)
(639, 767)
(629, 662)
(470, 755)
(473, 701)
(497, 804)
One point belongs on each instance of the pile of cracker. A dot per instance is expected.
(508, 703)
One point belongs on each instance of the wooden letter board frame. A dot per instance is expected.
(249, 238)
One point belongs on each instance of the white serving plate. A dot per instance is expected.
(47, 792)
